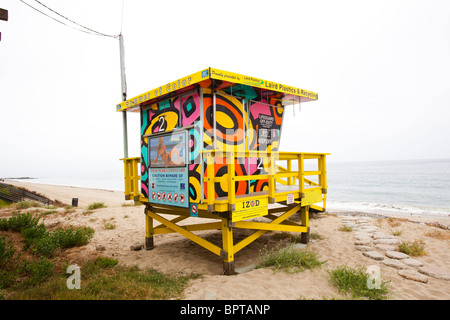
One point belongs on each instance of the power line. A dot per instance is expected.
(88, 30)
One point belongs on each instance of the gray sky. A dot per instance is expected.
(381, 69)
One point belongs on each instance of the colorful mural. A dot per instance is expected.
(242, 124)
(168, 115)
(243, 121)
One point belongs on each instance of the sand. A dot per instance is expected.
(175, 254)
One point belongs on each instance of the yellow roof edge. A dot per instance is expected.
(213, 73)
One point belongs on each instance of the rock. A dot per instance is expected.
(369, 229)
(412, 275)
(385, 247)
(362, 242)
(51, 224)
(373, 255)
(387, 241)
(364, 248)
(412, 262)
(209, 295)
(349, 219)
(136, 247)
(245, 269)
(362, 237)
(394, 263)
(381, 235)
(435, 273)
(362, 234)
(299, 246)
(396, 255)
(99, 247)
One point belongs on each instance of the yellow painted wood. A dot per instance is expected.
(230, 181)
(243, 243)
(210, 182)
(192, 227)
(269, 226)
(227, 241)
(200, 241)
(149, 230)
(304, 215)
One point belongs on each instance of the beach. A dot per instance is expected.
(175, 254)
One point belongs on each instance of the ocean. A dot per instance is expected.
(414, 187)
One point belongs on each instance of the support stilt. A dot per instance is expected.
(148, 231)
(228, 249)
(305, 222)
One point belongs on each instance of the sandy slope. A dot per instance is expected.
(174, 253)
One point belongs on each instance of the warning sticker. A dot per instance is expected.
(248, 209)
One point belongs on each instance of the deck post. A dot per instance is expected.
(304, 215)
(228, 249)
(149, 244)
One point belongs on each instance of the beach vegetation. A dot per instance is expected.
(104, 263)
(289, 259)
(26, 204)
(413, 249)
(110, 225)
(37, 271)
(438, 234)
(397, 233)
(42, 243)
(19, 221)
(4, 203)
(103, 279)
(354, 282)
(395, 222)
(96, 205)
(69, 209)
(345, 229)
(131, 204)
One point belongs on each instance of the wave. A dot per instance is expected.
(381, 208)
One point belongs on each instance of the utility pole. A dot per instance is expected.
(124, 96)
(4, 17)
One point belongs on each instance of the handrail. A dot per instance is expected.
(131, 174)
(275, 173)
(15, 195)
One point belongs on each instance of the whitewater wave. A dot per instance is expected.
(381, 208)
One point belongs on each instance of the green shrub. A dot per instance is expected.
(7, 252)
(289, 259)
(45, 243)
(416, 248)
(27, 204)
(34, 233)
(45, 246)
(19, 221)
(8, 260)
(96, 205)
(68, 238)
(105, 262)
(38, 271)
(355, 282)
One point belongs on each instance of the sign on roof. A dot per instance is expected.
(212, 73)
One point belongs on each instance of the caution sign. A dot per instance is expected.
(194, 209)
(248, 209)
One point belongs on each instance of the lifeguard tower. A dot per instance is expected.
(210, 149)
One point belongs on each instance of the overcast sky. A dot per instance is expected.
(381, 69)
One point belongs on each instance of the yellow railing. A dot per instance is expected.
(306, 190)
(131, 174)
